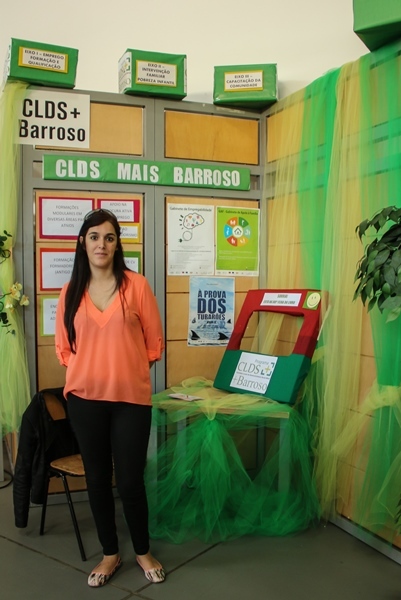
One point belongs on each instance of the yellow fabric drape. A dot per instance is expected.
(14, 378)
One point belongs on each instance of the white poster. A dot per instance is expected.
(58, 119)
(211, 311)
(55, 268)
(62, 217)
(49, 307)
(132, 263)
(190, 240)
(129, 232)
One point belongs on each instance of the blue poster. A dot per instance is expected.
(211, 310)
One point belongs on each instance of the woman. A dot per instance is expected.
(108, 334)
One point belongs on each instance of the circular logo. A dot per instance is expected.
(313, 300)
(237, 231)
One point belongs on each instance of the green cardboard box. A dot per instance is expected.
(246, 86)
(377, 23)
(41, 64)
(152, 74)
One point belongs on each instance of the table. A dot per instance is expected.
(197, 484)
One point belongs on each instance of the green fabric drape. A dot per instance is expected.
(345, 168)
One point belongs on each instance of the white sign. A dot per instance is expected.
(63, 217)
(49, 307)
(129, 232)
(253, 372)
(43, 59)
(156, 73)
(56, 268)
(247, 80)
(280, 299)
(123, 209)
(56, 119)
(132, 263)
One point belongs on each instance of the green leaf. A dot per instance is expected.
(369, 288)
(361, 228)
(391, 302)
(396, 259)
(382, 257)
(392, 316)
(372, 302)
(357, 291)
(393, 233)
(377, 277)
(389, 275)
(372, 255)
(380, 300)
(395, 215)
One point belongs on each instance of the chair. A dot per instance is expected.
(61, 461)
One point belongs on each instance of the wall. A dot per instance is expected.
(288, 33)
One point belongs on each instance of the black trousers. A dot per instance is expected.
(107, 433)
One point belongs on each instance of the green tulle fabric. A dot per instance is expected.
(336, 160)
(197, 483)
(347, 168)
(14, 378)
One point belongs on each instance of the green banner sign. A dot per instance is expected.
(117, 170)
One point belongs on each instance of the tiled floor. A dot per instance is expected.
(321, 564)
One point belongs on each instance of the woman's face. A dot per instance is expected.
(100, 244)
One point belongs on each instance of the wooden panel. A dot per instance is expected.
(116, 129)
(209, 137)
(281, 142)
(50, 372)
(202, 362)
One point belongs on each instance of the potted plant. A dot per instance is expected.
(379, 270)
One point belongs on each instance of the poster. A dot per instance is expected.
(127, 211)
(48, 307)
(211, 310)
(190, 239)
(55, 267)
(61, 218)
(132, 259)
(237, 241)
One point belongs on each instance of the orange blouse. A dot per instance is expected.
(113, 347)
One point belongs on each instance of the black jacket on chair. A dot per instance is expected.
(40, 442)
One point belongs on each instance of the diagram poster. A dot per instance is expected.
(211, 310)
(237, 241)
(190, 239)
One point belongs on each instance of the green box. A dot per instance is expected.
(246, 86)
(152, 74)
(42, 64)
(377, 23)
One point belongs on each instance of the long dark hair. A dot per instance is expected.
(81, 271)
